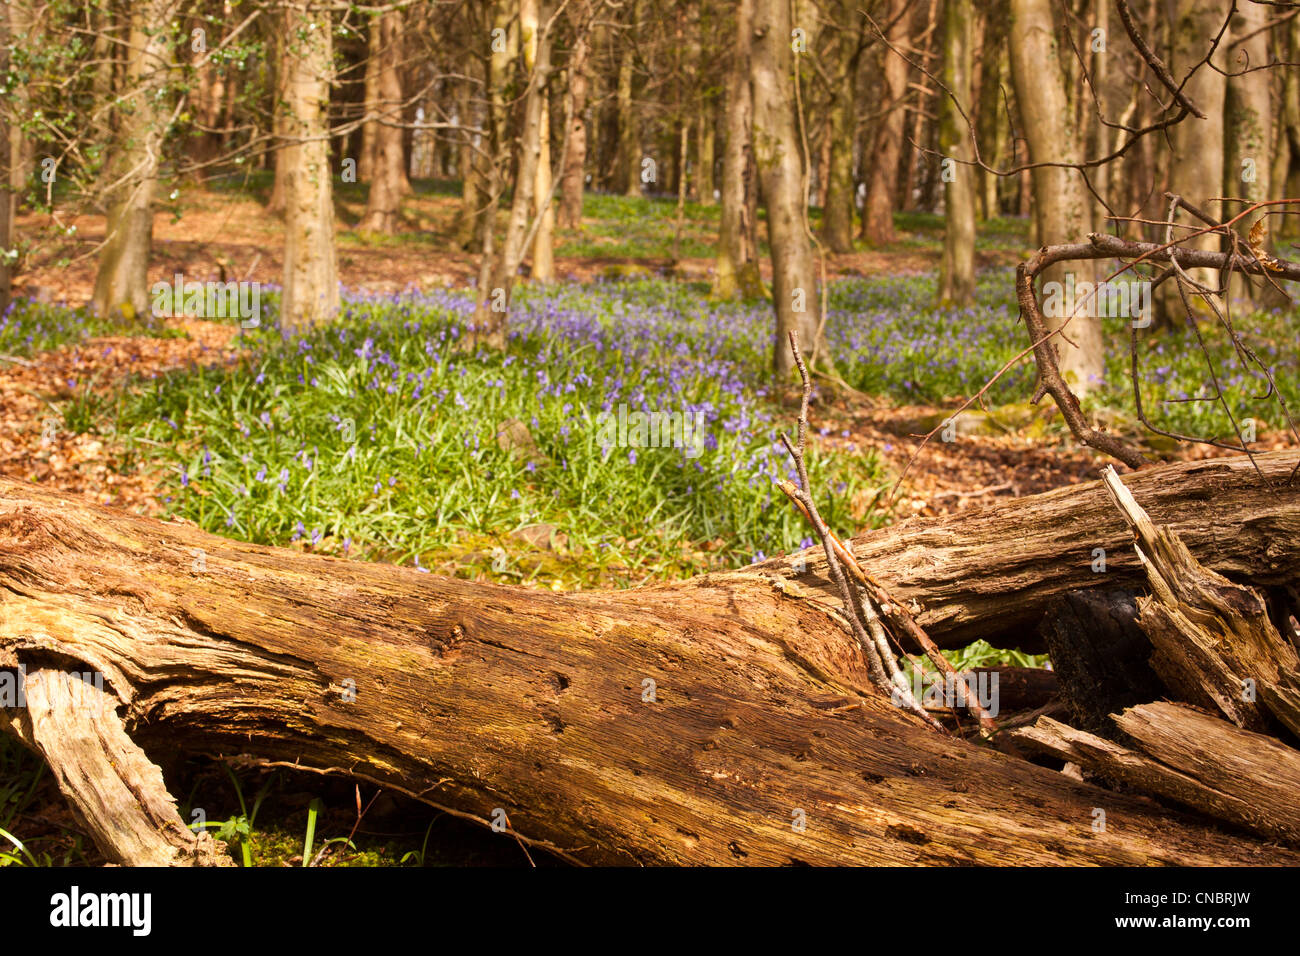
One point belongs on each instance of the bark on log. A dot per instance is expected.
(991, 573)
(1191, 758)
(1215, 643)
(724, 719)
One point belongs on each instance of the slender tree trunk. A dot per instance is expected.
(311, 292)
(544, 243)
(8, 195)
(1249, 127)
(388, 180)
(795, 294)
(882, 179)
(573, 176)
(736, 270)
(957, 270)
(837, 213)
(1196, 153)
(121, 279)
(475, 167)
(1061, 204)
(366, 162)
(992, 121)
(705, 140)
(629, 149)
(491, 311)
(19, 145)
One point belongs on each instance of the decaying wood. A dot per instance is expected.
(1192, 758)
(725, 719)
(125, 806)
(1099, 655)
(1214, 643)
(991, 573)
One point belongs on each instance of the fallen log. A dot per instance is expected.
(991, 573)
(725, 719)
(1215, 642)
(1192, 758)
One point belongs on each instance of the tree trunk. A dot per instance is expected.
(957, 269)
(837, 212)
(1196, 153)
(474, 164)
(1061, 204)
(544, 243)
(721, 720)
(388, 179)
(1249, 134)
(311, 288)
(491, 312)
(275, 41)
(882, 179)
(628, 179)
(8, 195)
(795, 296)
(122, 274)
(992, 121)
(573, 176)
(367, 161)
(705, 140)
(736, 269)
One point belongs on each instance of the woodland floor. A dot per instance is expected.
(222, 231)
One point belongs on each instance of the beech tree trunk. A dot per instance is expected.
(795, 294)
(311, 287)
(882, 179)
(121, 277)
(1249, 133)
(388, 178)
(1196, 156)
(628, 176)
(491, 311)
(837, 211)
(957, 268)
(736, 270)
(721, 720)
(1062, 209)
(544, 242)
(8, 195)
(573, 175)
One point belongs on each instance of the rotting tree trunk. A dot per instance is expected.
(1191, 758)
(720, 720)
(992, 573)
